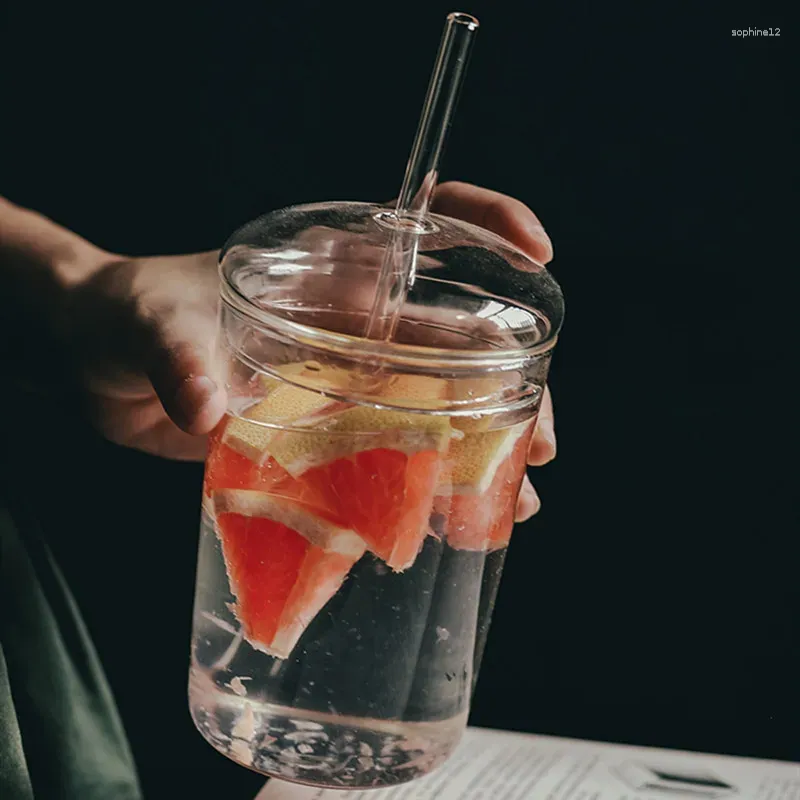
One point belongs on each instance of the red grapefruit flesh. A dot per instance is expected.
(264, 560)
(484, 521)
(284, 564)
(228, 469)
(369, 470)
(386, 496)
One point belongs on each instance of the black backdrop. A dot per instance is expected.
(655, 598)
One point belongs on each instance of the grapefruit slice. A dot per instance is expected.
(316, 530)
(385, 495)
(486, 472)
(227, 468)
(314, 375)
(415, 391)
(374, 471)
(284, 564)
(354, 430)
(474, 459)
(284, 404)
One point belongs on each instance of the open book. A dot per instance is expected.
(500, 765)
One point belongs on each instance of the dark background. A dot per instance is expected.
(655, 599)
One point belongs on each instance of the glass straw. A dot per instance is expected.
(408, 221)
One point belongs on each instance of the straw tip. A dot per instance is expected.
(459, 18)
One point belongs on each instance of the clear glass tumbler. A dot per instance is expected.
(359, 495)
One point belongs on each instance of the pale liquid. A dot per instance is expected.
(377, 690)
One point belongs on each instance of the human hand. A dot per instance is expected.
(143, 332)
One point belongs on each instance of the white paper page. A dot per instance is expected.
(499, 765)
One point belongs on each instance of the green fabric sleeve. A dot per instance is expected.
(60, 734)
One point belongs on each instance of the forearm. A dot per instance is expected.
(40, 263)
(37, 253)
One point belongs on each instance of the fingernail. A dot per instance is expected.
(538, 232)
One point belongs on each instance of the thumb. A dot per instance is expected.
(185, 373)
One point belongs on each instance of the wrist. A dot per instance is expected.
(39, 252)
(41, 266)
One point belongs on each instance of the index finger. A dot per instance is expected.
(497, 212)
